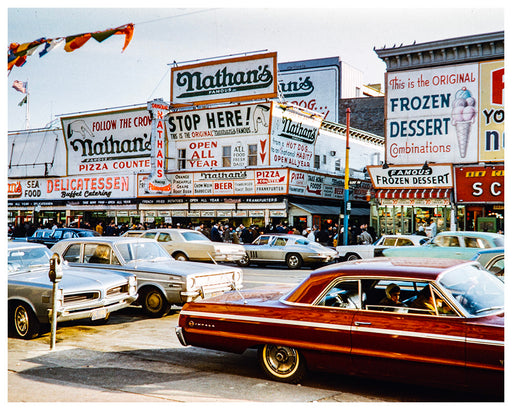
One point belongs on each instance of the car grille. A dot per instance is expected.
(81, 297)
(117, 290)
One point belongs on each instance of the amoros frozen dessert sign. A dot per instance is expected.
(227, 80)
(431, 115)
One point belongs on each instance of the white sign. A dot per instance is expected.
(315, 185)
(117, 141)
(314, 88)
(432, 115)
(223, 183)
(74, 187)
(233, 79)
(243, 120)
(412, 176)
(293, 136)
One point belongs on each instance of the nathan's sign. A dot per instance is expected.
(480, 184)
(234, 79)
(116, 141)
(293, 136)
(412, 176)
(68, 188)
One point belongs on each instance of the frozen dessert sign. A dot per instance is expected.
(157, 182)
(431, 115)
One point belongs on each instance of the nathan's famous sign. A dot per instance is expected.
(234, 79)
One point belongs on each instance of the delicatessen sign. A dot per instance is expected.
(117, 141)
(68, 188)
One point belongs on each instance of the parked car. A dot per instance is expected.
(493, 260)
(353, 252)
(187, 244)
(83, 293)
(294, 250)
(50, 237)
(335, 320)
(456, 245)
(162, 280)
(136, 233)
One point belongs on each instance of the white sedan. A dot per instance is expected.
(352, 252)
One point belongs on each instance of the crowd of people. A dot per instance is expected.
(218, 232)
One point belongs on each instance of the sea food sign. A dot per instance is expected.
(433, 113)
(116, 141)
(234, 79)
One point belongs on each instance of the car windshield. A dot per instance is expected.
(477, 291)
(142, 251)
(194, 236)
(499, 242)
(26, 259)
(85, 234)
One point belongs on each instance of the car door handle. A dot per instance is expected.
(362, 323)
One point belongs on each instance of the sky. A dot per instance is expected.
(99, 76)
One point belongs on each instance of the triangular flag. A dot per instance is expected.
(50, 45)
(24, 101)
(75, 42)
(128, 32)
(99, 36)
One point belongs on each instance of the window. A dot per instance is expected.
(253, 155)
(404, 242)
(324, 159)
(72, 254)
(182, 158)
(150, 235)
(317, 162)
(343, 294)
(97, 253)
(337, 165)
(164, 237)
(226, 156)
(280, 242)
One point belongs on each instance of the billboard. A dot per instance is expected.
(312, 84)
(115, 141)
(431, 115)
(411, 176)
(293, 136)
(492, 111)
(227, 80)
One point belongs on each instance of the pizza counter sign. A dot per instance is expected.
(221, 183)
(108, 142)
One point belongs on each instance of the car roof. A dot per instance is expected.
(170, 230)
(21, 245)
(396, 268)
(472, 233)
(106, 239)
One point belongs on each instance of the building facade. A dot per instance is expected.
(444, 133)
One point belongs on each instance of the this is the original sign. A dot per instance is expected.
(118, 141)
(227, 80)
(480, 184)
(433, 113)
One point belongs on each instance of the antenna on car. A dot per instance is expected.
(235, 288)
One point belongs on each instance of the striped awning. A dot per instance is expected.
(413, 193)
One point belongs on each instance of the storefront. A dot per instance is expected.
(444, 118)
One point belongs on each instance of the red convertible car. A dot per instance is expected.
(434, 322)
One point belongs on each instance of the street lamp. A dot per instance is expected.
(346, 205)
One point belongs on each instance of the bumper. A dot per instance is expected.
(232, 257)
(180, 335)
(98, 313)
(320, 258)
(208, 291)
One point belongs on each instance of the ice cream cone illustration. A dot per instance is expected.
(463, 115)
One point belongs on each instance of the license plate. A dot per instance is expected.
(99, 314)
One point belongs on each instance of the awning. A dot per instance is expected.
(414, 193)
(330, 210)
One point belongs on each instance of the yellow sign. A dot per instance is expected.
(492, 111)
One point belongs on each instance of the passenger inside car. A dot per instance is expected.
(101, 255)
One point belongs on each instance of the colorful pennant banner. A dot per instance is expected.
(18, 53)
